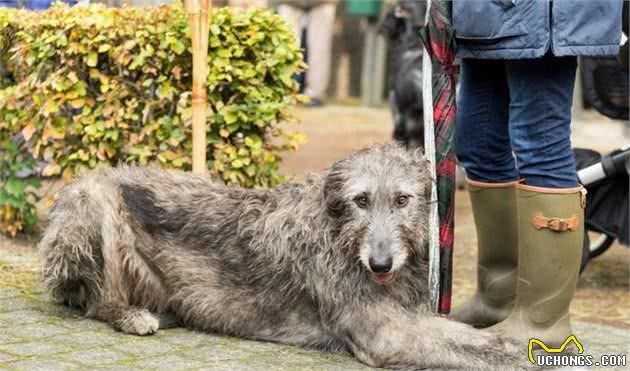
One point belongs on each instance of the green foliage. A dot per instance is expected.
(100, 86)
(17, 196)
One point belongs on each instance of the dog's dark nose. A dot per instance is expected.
(381, 264)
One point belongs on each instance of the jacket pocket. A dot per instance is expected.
(487, 20)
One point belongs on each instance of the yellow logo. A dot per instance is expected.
(560, 349)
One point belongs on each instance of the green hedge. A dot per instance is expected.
(100, 86)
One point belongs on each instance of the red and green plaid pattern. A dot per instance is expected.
(439, 39)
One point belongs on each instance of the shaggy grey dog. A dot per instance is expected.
(336, 263)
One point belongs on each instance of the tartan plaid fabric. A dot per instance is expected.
(439, 37)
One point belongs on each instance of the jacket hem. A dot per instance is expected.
(558, 51)
(516, 53)
(586, 50)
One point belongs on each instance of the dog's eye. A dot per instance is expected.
(361, 201)
(402, 200)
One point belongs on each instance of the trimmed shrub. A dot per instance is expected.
(98, 86)
(17, 195)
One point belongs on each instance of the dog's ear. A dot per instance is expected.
(391, 26)
(333, 191)
(417, 10)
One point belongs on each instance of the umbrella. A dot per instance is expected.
(438, 38)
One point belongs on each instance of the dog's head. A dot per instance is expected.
(403, 19)
(378, 200)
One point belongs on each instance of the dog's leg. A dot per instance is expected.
(399, 134)
(384, 336)
(168, 320)
(116, 303)
(415, 129)
(135, 321)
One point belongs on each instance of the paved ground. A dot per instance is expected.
(36, 334)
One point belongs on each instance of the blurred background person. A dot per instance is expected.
(245, 4)
(32, 4)
(317, 18)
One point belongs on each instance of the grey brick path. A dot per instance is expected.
(36, 334)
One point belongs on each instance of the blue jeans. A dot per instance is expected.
(514, 118)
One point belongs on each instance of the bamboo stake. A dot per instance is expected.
(198, 21)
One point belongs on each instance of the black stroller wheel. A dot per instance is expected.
(599, 245)
(593, 248)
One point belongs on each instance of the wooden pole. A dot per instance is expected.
(198, 20)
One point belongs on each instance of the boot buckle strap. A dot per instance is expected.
(555, 224)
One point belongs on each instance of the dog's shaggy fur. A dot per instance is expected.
(291, 265)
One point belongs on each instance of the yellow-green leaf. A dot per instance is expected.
(92, 59)
(77, 103)
(230, 117)
(51, 169)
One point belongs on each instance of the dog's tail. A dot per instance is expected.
(72, 258)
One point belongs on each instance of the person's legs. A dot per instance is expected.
(247, 4)
(550, 204)
(293, 16)
(482, 137)
(541, 96)
(483, 146)
(319, 43)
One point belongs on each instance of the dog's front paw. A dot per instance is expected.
(139, 322)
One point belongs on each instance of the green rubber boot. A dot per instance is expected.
(551, 230)
(494, 210)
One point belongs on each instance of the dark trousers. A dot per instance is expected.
(514, 119)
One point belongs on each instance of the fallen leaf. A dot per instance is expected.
(28, 131)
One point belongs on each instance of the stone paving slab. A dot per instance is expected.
(42, 364)
(600, 339)
(9, 293)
